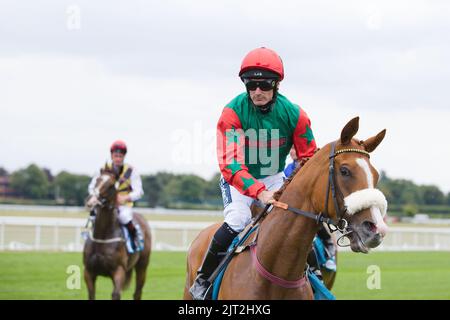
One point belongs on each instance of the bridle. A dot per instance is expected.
(341, 223)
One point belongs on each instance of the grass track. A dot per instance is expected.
(404, 275)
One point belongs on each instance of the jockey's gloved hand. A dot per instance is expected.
(265, 196)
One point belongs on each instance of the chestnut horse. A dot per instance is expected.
(337, 185)
(105, 251)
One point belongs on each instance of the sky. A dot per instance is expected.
(77, 75)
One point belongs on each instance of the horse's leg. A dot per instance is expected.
(90, 283)
(141, 274)
(118, 278)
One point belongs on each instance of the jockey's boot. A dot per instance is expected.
(330, 249)
(132, 231)
(220, 242)
(313, 263)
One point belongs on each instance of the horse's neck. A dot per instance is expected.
(106, 223)
(285, 238)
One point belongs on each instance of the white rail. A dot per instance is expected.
(64, 234)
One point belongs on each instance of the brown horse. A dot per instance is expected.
(105, 251)
(338, 182)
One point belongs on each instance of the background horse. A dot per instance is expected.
(105, 251)
(345, 192)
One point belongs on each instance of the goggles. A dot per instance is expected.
(263, 84)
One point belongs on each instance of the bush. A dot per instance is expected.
(410, 210)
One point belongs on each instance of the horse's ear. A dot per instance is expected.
(373, 142)
(350, 129)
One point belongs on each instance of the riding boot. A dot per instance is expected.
(313, 263)
(132, 231)
(220, 242)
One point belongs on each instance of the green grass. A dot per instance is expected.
(404, 275)
(43, 275)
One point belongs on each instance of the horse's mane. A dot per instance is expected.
(280, 191)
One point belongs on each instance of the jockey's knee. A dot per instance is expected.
(237, 216)
(125, 214)
(237, 222)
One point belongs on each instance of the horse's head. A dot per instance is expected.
(351, 194)
(105, 188)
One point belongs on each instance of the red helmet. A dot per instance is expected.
(262, 59)
(119, 145)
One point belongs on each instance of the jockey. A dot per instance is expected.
(323, 234)
(254, 135)
(129, 189)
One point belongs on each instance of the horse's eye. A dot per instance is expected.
(345, 172)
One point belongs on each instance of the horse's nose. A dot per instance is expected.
(371, 229)
(382, 228)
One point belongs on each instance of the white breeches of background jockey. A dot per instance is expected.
(125, 214)
(237, 211)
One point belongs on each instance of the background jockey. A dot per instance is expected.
(254, 135)
(129, 189)
(323, 234)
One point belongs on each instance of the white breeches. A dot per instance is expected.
(237, 206)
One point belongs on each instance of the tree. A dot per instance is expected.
(431, 195)
(152, 190)
(212, 189)
(3, 172)
(30, 182)
(399, 191)
(185, 188)
(71, 187)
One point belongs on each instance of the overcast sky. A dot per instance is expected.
(76, 75)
